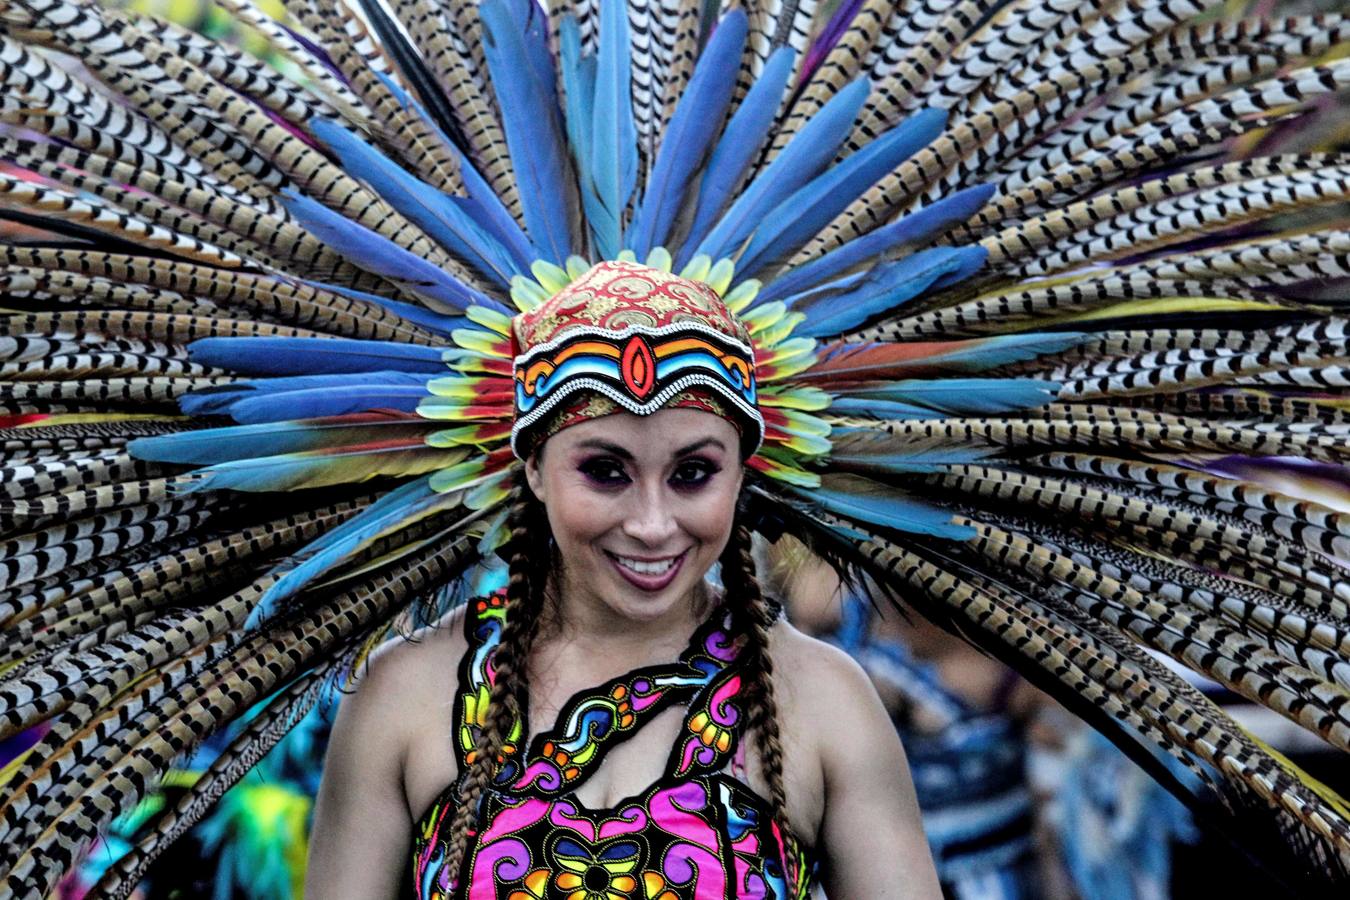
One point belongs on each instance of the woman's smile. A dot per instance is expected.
(640, 508)
(648, 574)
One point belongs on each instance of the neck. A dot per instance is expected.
(586, 623)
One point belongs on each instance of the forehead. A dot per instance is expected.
(656, 436)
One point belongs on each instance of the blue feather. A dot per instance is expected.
(805, 156)
(801, 216)
(961, 396)
(378, 254)
(1002, 349)
(392, 512)
(864, 500)
(698, 116)
(536, 38)
(435, 322)
(402, 504)
(318, 468)
(740, 141)
(486, 208)
(306, 356)
(432, 211)
(482, 202)
(613, 150)
(390, 506)
(208, 446)
(578, 75)
(853, 449)
(533, 126)
(852, 361)
(879, 409)
(318, 402)
(847, 304)
(308, 396)
(915, 229)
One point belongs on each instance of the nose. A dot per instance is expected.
(651, 521)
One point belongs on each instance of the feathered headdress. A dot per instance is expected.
(1005, 296)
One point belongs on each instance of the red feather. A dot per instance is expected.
(873, 362)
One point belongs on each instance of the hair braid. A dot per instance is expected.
(527, 524)
(749, 603)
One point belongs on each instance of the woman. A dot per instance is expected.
(634, 483)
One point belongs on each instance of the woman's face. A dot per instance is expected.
(640, 506)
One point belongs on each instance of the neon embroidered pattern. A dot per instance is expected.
(696, 834)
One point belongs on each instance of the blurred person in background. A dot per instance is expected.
(1019, 799)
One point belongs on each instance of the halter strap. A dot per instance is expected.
(593, 721)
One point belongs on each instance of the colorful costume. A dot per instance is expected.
(1000, 297)
(698, 832)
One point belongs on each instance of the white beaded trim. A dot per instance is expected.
(639, 409)
(621, 398)
(574, 331)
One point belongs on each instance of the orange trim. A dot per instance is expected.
(679, 345)
(599, 348)
(539, 368)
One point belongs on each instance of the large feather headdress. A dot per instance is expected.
(1004, 291)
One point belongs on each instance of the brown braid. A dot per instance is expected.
(748, 601)
(528, 526)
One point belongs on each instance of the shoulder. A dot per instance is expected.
(827, 699)
(417, 662)
(816, 673)
(825, 703)
(404, 677)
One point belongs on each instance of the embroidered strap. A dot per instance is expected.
(712, 729)
(592, 721)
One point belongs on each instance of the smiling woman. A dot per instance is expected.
(681, 762)
(649, 500)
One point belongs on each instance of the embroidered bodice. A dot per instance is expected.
(698, 833)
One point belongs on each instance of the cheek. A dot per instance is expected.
(577, 514)
(709, 514)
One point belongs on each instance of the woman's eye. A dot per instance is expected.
(604, 472)
(692, 473)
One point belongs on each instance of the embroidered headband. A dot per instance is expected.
(628, 338)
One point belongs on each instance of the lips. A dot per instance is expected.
(652, 574)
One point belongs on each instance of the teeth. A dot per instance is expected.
(647, 568)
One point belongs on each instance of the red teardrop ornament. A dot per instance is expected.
(638, 366)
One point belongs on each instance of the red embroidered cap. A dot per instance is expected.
(629, 338)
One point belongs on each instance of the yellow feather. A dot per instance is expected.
(1160, 306)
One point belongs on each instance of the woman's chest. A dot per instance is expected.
(703, 838)
(632, 761)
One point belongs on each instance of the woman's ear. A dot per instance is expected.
(533, 477)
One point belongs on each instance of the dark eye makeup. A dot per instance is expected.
(605, 471)
(690, 473)
(694, 472)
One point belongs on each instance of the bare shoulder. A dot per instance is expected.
(817, 675)
(363, 816)
(823, 697)
(423, 654)
(410, 667)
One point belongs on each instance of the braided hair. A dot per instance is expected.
(527, 525)
(756, 618)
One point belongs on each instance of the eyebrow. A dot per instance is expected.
(622, 453)
(699, 445)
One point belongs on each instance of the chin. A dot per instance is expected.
(632, 601)
(645, 609)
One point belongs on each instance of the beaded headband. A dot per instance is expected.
(628, 338)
